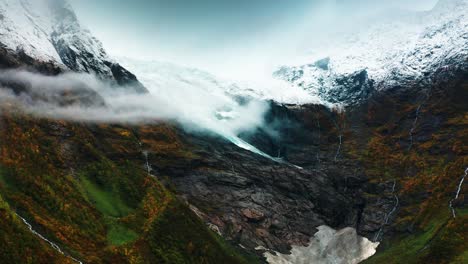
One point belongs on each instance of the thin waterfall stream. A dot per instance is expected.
(52, 244)
(457, 194)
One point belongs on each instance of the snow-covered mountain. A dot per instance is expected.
(49, 31)
(397, 52)
(165, 78)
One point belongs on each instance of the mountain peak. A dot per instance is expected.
(49, 31)
(392, 53)
(449, 4)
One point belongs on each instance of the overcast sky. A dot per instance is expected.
(213, 32)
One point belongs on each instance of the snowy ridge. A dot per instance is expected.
(74, 43)
(37, 26)
(396, 52)
(49, 31)
(26, 26)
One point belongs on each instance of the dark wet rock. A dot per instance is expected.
(9, 60)
(259, 201)
(354, 87)
(319, 79)
(323, 64)
(292, 202)
(253, 214)
(125, 78)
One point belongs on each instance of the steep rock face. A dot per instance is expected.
(387, 167)
(418, 143)
(333, 88)
(255, 201)
(9, 60)
(48, 31)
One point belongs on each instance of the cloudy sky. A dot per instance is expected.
(216, 33)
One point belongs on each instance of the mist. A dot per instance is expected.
(245, 48)
(84, 97)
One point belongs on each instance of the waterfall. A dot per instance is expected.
(427, 94)
(340, 137)
(147, 165)
(457, 194)
(245, 145)
(319, 138)
(379, 234)
(413, 128)
(52, 244)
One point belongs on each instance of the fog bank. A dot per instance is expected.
(83, 97)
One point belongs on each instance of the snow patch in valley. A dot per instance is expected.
(328, 246)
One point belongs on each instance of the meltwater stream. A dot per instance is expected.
(379, 235)
(247, 146)
(52, 244)
(457, 194)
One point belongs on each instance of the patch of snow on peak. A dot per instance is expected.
(26, 26)
(397, 51)
(49, 31)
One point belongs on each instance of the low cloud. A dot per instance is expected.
(83, 97)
